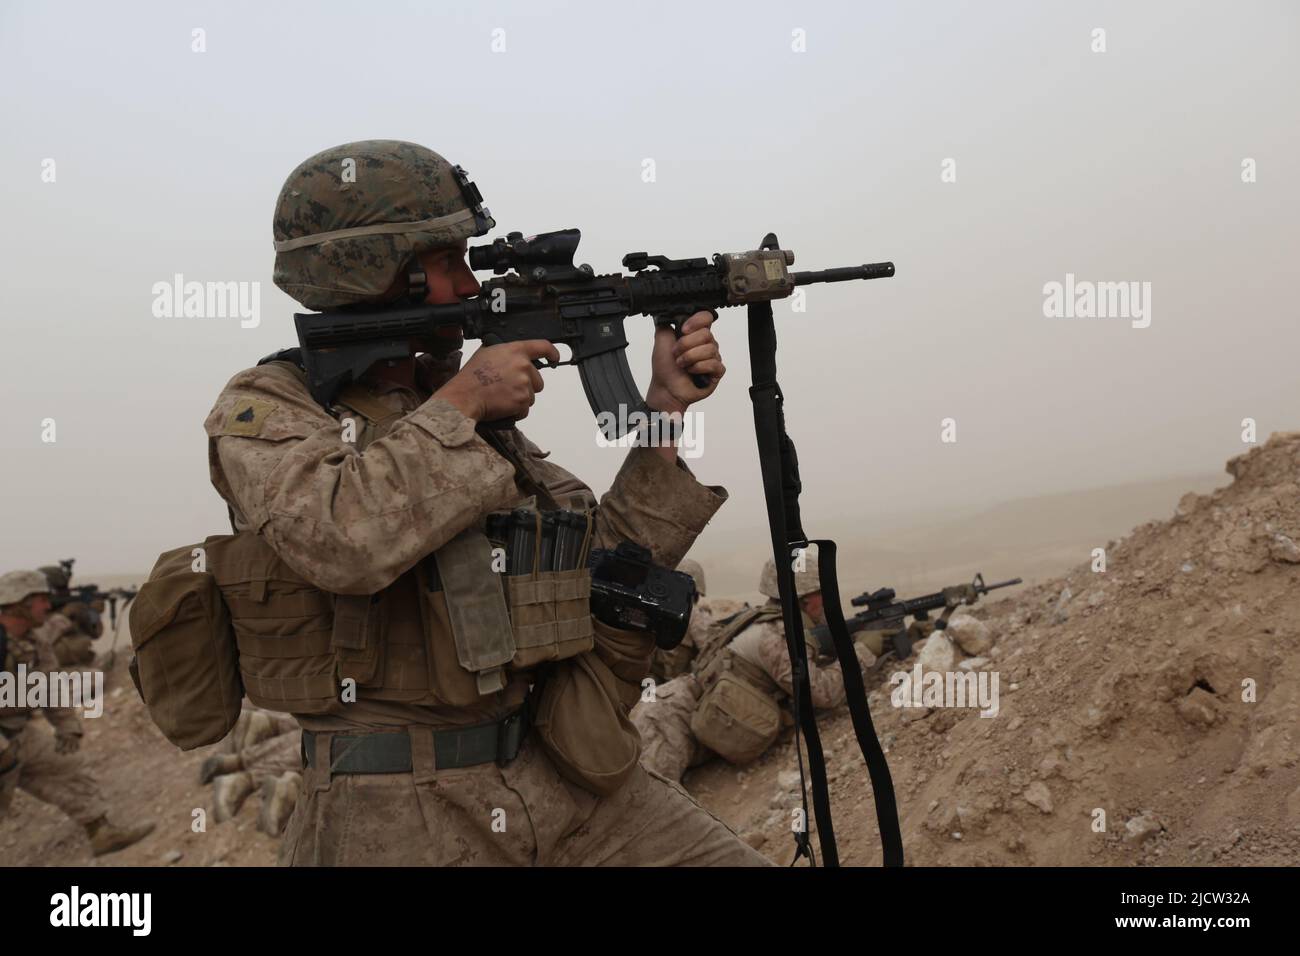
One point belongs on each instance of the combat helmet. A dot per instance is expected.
(695, 570)
(57, 576)
(805, 582)
(17, 585)
(349, 219)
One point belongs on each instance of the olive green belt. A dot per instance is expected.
(390, 751)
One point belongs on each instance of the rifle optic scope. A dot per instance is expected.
(516, 252)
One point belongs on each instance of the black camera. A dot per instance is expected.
(631, 592)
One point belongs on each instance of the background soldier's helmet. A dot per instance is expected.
(805, 582)
(56, 576)
(17, 585)
(350, 219)
(694, 569)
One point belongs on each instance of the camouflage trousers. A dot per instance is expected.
(667, 745)
(274, 756)
(521, 814)
(75, 650)
(59, 779)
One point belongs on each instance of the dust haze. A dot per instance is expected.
(985, 149)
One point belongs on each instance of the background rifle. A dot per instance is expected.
(884, 612)
(541, 294)
(88, 594)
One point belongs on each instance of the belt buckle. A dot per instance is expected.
(503, 731)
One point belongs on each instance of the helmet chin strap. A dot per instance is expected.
(417, 283)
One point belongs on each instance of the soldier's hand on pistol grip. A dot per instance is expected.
(499, 381)
(675, 360)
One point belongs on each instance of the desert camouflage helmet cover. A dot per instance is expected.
(805, 582)
(17, 585)
(349, 219)
(694, 569)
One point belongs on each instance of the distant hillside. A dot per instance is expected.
(1032, 538)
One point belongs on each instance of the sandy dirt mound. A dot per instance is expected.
(1163, 692)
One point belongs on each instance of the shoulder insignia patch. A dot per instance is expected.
(247, 417)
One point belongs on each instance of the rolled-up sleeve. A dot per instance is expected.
(658, 505)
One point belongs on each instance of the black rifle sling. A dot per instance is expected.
(780, 471)
(781, 487)
(882, 784)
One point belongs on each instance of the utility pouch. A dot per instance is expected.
(283, 624)
(735, 719)
(185, 666)
(581, 722)
(476, 609)
(355, 637)
(549, 597)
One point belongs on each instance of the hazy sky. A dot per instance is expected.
(1123, 165)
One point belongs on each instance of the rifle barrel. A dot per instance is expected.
(874, 270)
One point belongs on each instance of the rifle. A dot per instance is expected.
(883, 612)
(547, 297)
(90, 593)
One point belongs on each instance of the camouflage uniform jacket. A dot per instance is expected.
(352, 522)
(763, 644)
(35, 652)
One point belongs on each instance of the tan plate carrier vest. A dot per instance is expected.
(228, 617)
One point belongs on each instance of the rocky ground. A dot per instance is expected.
(1147, 714)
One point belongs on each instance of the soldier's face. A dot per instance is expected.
(448, 275)
(449, 279)
(813, 607)
(38, 605)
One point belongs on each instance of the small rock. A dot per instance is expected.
(172, 856)
(1188, 568)
(1200, 708)
(972, 663)
(1282, 548)
(971, 634)
(1141, 828)
(1060, 615)
(787, 780)
(1037, 794)
(937, 655)
(956, 835)
(1271, 748)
